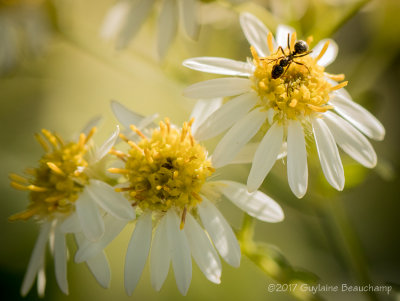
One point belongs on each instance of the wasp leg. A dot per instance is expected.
(281, 49)
(303, 54)
(308, 69)
(288, 44)
(272, 60)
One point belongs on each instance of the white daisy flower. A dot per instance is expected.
(67, 194)
(24, 30)
(168, 181)
(124, 19)
(284, 93)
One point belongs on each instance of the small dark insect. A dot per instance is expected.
(284, 61)
(168, 164)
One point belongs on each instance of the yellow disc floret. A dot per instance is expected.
(166, 170)
(57, 182)
(301, 90)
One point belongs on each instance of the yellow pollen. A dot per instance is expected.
(59, 139)
(90, 135)
(82, 139)
(254, 54)
(118, 170)
(50, 137)
(300, 90)
(56, 183)
(148, 155)
(55, 168)
(18, 178)
(270, 42)
(196, 196)
(42, 142)
(167, 122)
(119, 154)
(55, 198)
(137, 131)
(335, 77)
(24, 215)
(293, 39)
(171, 172)
(324, 49)
(163, 128)
(340, 86)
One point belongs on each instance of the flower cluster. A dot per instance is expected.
(289, 109)
(162, 177)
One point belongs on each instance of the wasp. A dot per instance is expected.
(284, 61)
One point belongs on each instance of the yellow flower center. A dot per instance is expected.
(55, 185)
(166, 170)
(299, 90)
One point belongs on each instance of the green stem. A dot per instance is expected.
(356, 253)
(247, 231)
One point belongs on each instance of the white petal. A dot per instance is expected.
(160, 257)
(237, 137)
(351, 140)
(189, 15)
(107, 145)
(180, 252)
(89, 249)
(41, 279)
(220, 232)
(357, 115)
(89, 216)
(114, 19)
(271, 114)
(202, 250)
(246, 154)
(110, 200)
(265, 156)
(219, 87)
(60, 260)
(330, 54)
(248, 151)
(98, 264)
(282, 32)
(256, 204)
(36, 260)
(256, 33)
(100, 269)
(226, 116)
(297, 159)
(137, 252)
(167, 26)
(219, 65)
(125, 116)
(202, 109)
(328, 154)
(71, 224)
(133, 20)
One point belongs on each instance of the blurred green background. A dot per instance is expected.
(349, 237)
